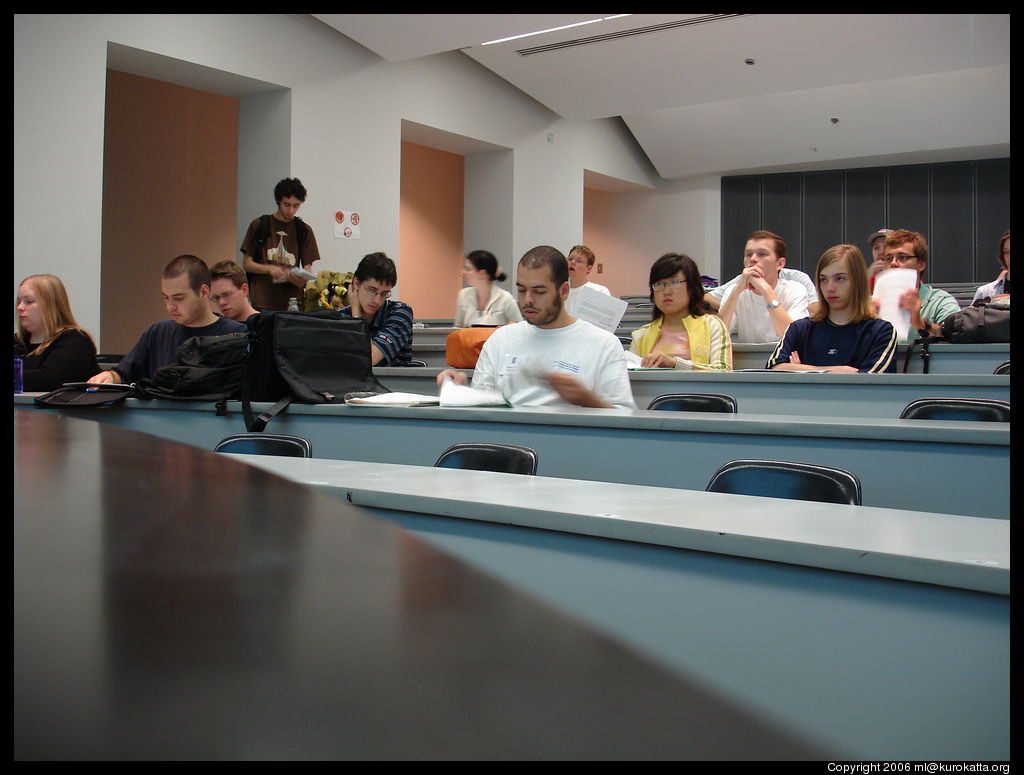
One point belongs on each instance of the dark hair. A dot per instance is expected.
(896, 238)
(999, 250)
(669, 265)
(483, 259)
(377, 266)
(545, 255)
(198, 272)
(780, 246)
(289, 187)
(584, 251)
(228, 270)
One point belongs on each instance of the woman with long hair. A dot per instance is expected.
(681, 334)
(54, 348)
(844, 334)
(482, 302)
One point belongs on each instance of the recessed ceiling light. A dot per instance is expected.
(555, 29)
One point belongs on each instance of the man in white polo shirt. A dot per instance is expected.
(761, 305)
(581, 264)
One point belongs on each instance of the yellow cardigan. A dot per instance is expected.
(710, 344)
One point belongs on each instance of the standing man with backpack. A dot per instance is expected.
(274, 245)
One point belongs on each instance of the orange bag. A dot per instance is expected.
(462, 347)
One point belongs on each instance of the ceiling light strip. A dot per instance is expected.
(714, 17)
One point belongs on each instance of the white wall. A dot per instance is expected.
(347, 107)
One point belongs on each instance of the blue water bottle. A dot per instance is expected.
(18, 378)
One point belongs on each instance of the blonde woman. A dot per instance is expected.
(55, 349)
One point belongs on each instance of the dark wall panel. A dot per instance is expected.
(865, 206)
(992, 215)
(783, 200)
(962, 208)
(823, 216)
(951, 242)
(741, 206)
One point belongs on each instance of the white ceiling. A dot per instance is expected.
(903, 88)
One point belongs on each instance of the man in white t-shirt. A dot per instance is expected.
(581, 264)
(761, 305)
(550, 358)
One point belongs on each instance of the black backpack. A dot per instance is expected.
(209, 368)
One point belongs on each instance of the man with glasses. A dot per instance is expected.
(928, 306)
(390, 322)
(581, 264)
(230, 292)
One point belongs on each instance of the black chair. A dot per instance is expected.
(1002, 368)
(503, 458)
(695, 402)
(976, 409)
(265, 444)
(780, 479)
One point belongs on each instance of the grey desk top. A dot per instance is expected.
(967, 552)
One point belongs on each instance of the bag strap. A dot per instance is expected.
(257, 424)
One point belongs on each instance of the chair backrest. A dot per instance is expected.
(695, 402)
(503, 458)
(265, 444)
(781, 479)
(976, 409)
(1002, 368)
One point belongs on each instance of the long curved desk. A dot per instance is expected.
(819, 395)
(943, 467)
(878, 667)
(170, 603)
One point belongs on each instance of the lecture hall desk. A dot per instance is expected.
(945, 467)
(820, 395)
(171, 603)
(871, 665)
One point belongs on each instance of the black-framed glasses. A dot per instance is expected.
(667, 285)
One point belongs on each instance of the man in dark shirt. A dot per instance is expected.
(389, 322)
(277, 244)
(185, 286)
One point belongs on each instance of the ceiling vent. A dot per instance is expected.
(689, 22)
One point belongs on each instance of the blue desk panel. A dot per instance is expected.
(944, 467)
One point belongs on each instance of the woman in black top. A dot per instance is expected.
(55, 349)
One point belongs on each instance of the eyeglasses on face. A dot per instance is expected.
(667, 285)
(375, 292)
(896, 258)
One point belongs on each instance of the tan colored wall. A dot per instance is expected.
(170, 169)
(430, 230)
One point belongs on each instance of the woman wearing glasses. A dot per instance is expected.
(54, 347)
(681, 335)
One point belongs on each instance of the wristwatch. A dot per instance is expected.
(773, 304)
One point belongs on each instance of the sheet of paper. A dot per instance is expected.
(396, 399)
(603, 311)
(463, 395)
(889, 286)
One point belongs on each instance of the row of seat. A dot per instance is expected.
(973, 409)
(771, 478)
(777, 479)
